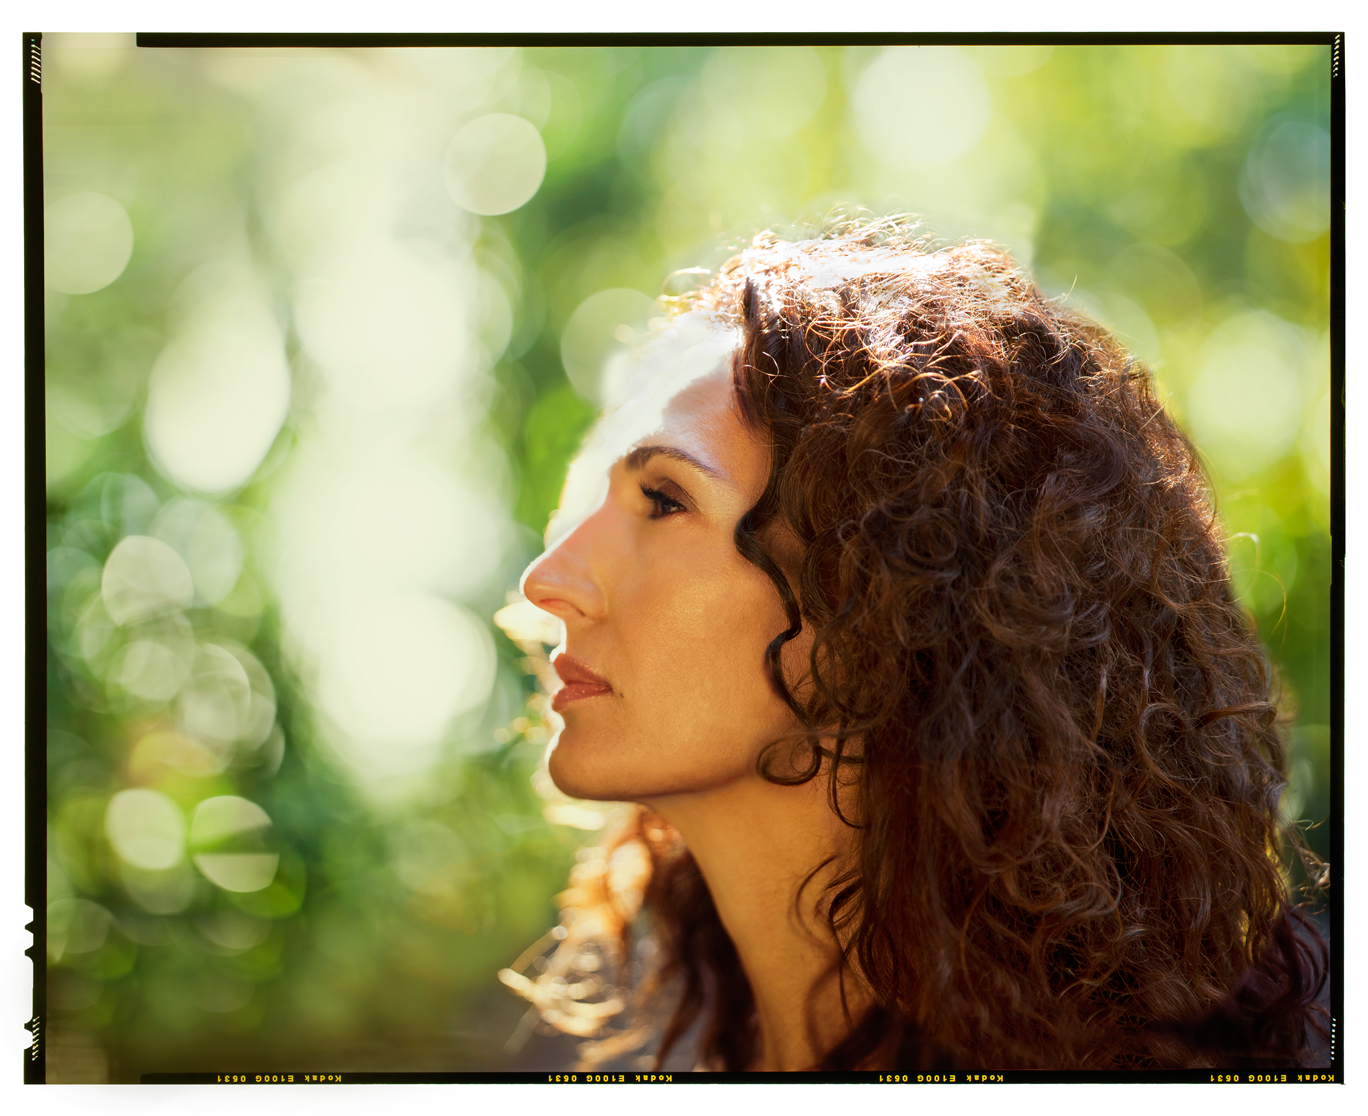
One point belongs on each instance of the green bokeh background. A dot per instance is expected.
(1179, 194)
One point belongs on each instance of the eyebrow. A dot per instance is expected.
(638, 457)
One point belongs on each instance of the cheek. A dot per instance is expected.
(709, 635)
(707, 661)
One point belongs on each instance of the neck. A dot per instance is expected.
(755, 844)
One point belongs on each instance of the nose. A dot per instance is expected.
(561, 581)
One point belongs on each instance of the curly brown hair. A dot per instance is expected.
(1054, 718)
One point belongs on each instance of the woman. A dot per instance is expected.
(904, 618)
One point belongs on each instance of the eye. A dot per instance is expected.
(664, 505)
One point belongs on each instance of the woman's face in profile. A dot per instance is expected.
(665, 689)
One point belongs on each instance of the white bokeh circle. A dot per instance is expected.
(495, 164)
(87, 242)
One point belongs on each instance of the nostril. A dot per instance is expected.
(557, 606)
(543, 591)
(560, 582)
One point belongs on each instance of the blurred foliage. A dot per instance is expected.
(1177, 194)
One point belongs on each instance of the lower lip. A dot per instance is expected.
(577, 691)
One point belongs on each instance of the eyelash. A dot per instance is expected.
(665, 506)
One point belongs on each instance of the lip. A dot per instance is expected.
(579, 682)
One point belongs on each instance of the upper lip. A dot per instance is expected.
(572, 670)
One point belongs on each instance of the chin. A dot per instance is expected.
(581, 768)
(575, 778)
(601, 772)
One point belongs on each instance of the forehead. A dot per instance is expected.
(702, 418)
(703, 425)
(677, 392)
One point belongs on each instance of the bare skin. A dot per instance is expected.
(755, 843)
(666, 626)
